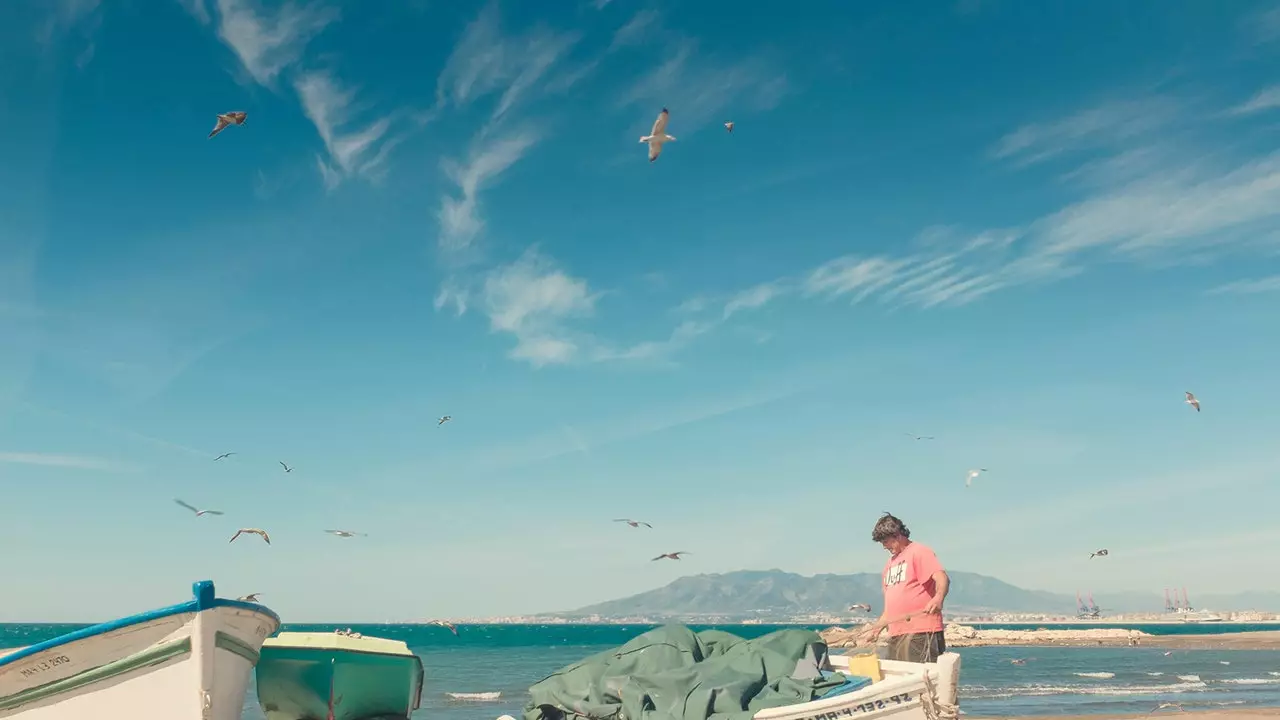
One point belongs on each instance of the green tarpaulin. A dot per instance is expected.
(674, 673)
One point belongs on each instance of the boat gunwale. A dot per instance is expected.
(203, 599)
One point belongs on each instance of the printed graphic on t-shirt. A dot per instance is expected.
(896, 574)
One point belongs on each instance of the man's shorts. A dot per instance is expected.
(916, 647)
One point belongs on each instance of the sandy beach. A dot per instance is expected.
(959, 636)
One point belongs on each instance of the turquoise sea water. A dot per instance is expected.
(510, 658)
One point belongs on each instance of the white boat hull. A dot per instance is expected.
(909, 691)
(186, 662)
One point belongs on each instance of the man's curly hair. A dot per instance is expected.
(889, 526)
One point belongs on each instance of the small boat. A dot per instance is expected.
(338, 676)
(184, 662)
(908, 691)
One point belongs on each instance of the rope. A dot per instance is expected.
(934, 708)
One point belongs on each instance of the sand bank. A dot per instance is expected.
(959, 636)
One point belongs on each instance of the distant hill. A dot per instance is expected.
(748, 593)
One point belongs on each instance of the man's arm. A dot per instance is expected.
(941, 584)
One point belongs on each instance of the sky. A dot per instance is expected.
(1022, 230)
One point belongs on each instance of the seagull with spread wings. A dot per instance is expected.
(860, 606)
(671, 555)
(345, 533)
(225, 119)
(1191, 400)
(252, 531)
(1101, 553)
(446, 625)
(658, 135)
(968, 479)
(444, 420)
(251, 597)
(286, 467)
(920, 437)
(729, 126)
(633, 523)
(223, 455)
(197, 510)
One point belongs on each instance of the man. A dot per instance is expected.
(915, 585)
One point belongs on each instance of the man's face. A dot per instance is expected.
(893, 544)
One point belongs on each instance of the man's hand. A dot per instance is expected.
(934, 606)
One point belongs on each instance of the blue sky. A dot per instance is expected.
(1021, 230)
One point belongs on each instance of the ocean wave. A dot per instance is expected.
(475, 696)
(1102, 675)
(1188, 678)
(979, 692)
(1248, 681)
(1155, 674)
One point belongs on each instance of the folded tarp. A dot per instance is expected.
(674, 673)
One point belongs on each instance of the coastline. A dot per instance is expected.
(959, 636)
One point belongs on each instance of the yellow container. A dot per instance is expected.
(866, 665)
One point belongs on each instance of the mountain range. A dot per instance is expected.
(774, 593)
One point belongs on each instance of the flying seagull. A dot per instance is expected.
(344, 533)
(225, 119)
(254, 531)
(1192, 401)
(658, 136)
(445, 624)
(728, 126)
(196, 510)
(251, 597)
(223, 455)
(444, 420)
(1101, 553)
(286, 467)
(920, 437)
(1164, 705)
(671, 556)
(860, 606)
(634, 523)
(968, 479)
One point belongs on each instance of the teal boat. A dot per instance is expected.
(337, 676)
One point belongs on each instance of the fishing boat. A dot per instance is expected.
(184, 662)
(337, 676)
(905, 691)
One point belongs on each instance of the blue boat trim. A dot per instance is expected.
(203, 598)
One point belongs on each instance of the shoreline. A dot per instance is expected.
(960, 636)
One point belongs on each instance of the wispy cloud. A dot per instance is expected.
(532, 299)
(698, 87)
(78, 462)
(1097, 127)
(460, 221)
(268, 42)
(1248, 287)
(198, 9)
(1182, 208)
(486, 61)
(329, 107)
(1265, 99)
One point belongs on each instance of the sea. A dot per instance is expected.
(1053, 681)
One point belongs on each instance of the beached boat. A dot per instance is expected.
(908, 691)
(337, 676)
(184, 662)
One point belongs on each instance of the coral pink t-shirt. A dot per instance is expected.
(908, 587)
